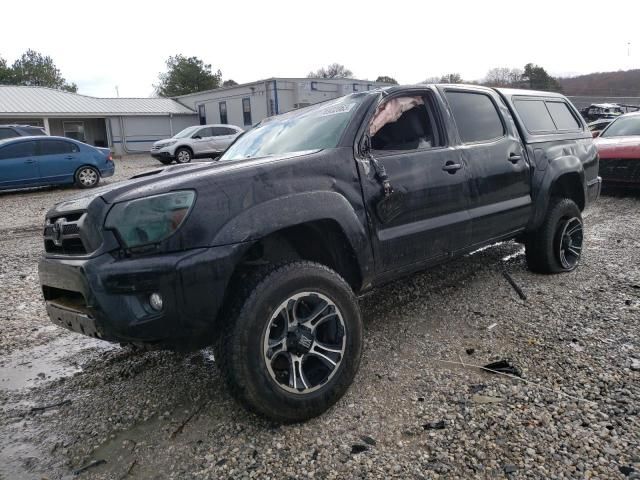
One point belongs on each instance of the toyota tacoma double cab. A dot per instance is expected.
(263, 253)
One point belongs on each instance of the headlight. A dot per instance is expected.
(167, 144)
(151, 219)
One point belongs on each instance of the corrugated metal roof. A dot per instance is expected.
(19, 100)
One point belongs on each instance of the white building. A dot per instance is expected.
(126, 125)
(247, 104)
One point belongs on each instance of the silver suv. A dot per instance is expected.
(200, 141)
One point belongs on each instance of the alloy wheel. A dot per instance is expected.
(304, 342)
(88, 177)
(569, 242)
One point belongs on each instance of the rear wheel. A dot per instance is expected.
(557, 245)
(183, 155)
(87, 177)
(291, 341)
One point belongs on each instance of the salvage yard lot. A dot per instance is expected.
(576, 339)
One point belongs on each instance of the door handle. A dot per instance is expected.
(514, 158)
(451, 167)
(29, 160)
(69, 157)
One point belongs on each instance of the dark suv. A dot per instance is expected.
(11, 131)
(263, 253)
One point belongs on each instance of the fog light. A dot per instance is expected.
(155, 300)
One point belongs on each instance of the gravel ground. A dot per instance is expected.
(418, 407)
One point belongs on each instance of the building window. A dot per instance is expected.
(246, 110)
(222, 106)
(314, 85)
(74, 130)
(202, 113)
(355, 87)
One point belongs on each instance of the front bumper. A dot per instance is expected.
(162, 155)
(108, 297)
(620, 171)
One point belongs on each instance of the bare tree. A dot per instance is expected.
(335, 70)
(503, 77)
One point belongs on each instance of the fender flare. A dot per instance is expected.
(268, 217)
(549, 176)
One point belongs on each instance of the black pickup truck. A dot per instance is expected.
(263, 253)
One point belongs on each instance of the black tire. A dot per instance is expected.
(548, 249)
(246, 329)
(165, 161)
(183, 155)
(87, 177)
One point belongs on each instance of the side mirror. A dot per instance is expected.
(595, 133)
(196, 137)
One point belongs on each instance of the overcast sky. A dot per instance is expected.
(125, 43)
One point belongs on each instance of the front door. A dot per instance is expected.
(429, 219)
(202, 141)
(18, 165)
(499, 183)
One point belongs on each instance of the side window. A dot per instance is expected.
(219, 131)
(205, 132)
(18, 150)
(404, 123)
(246, 111)
(228, 131)
(57, 147)
(222, 106)
(534, 115)
(476, 116)
(562, 116)
(8, 133)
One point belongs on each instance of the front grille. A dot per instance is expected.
(620, 169)
(62, 235)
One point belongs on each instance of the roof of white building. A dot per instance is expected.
(21, 100)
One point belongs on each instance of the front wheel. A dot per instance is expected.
(291, 341)
(183, 155)
(557, 245)
(87, 177)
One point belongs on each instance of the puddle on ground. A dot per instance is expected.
(58, 358)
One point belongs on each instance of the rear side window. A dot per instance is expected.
(562, 116)
(476, 116)
(18, 150)
(535, 115)
(57, 147)
(541, 116)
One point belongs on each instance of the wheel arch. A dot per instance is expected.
(564, 177)
(316, 226)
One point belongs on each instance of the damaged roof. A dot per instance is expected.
(23, 100)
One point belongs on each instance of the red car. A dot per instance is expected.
(619, 149)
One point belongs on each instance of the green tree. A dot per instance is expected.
(385, 79)
(229, 83)
(5, 72)
(33, 68)
(186, 75)
(335, 70)
(537, 78)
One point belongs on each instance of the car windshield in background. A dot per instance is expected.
(311, 128)
(623, 127)
(186, 132)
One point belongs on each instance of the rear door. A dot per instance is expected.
(429, 210)
(58, 160)
(499, 183)
(18, 165)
